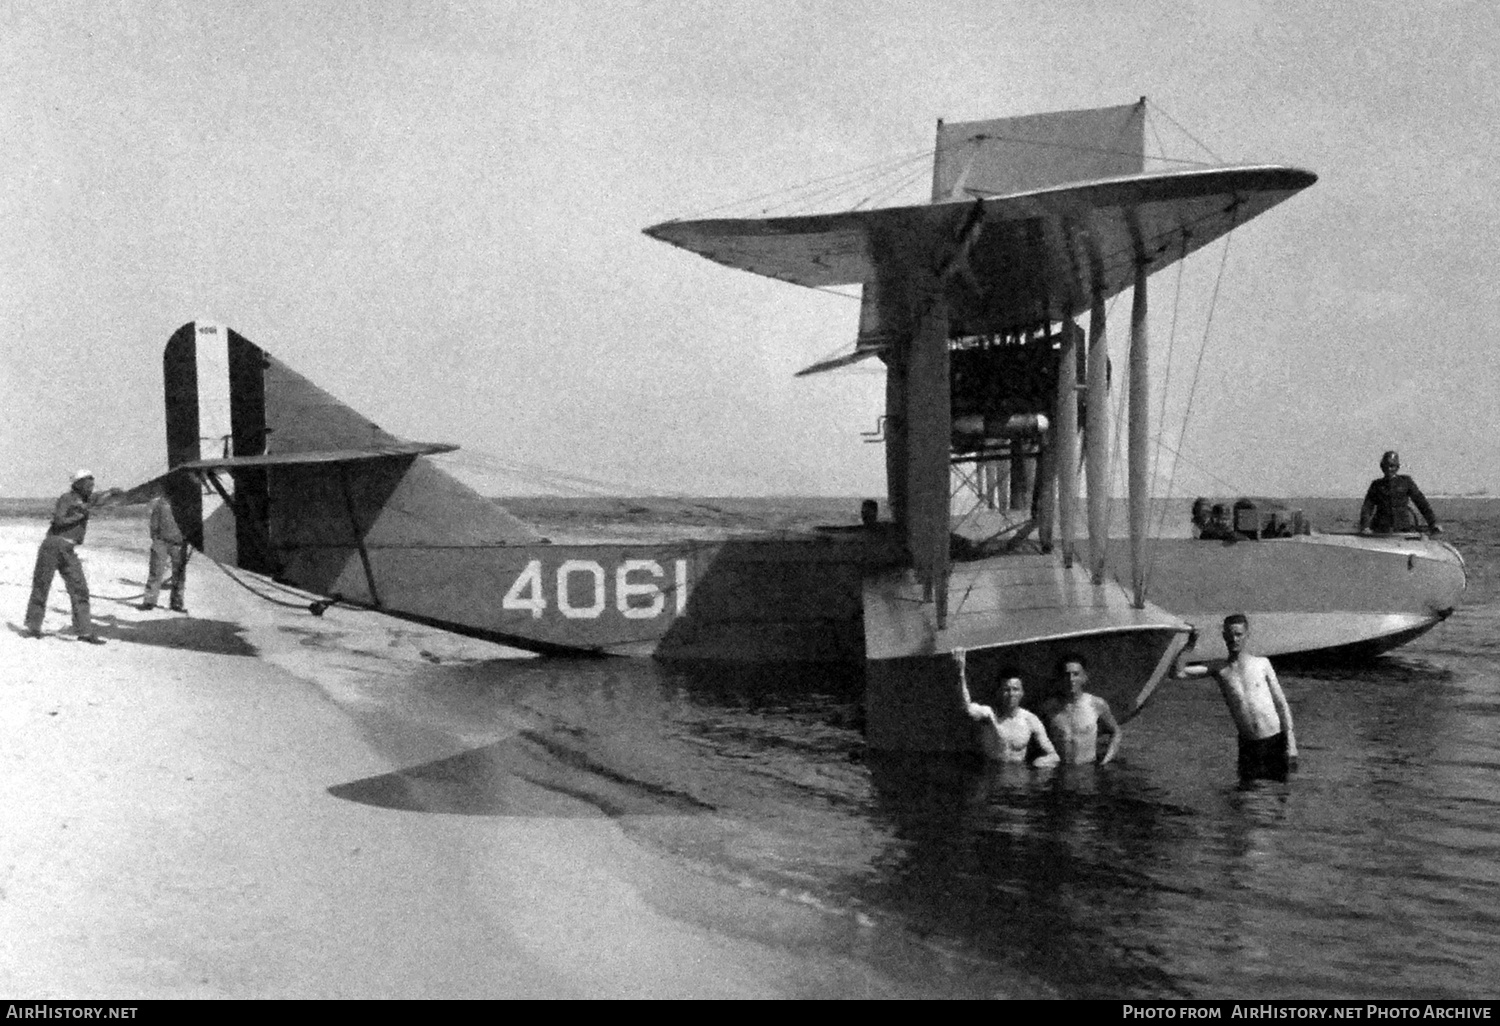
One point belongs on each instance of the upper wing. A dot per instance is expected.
(1024, 257)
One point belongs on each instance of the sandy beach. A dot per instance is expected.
(172, 824)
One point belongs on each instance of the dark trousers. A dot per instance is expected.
(56, 556)
(1264, 758)
(166, 556)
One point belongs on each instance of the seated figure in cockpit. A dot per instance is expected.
(1211, 521)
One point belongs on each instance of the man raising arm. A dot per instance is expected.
(56, 555)
(1253, 695)
(1011, 733)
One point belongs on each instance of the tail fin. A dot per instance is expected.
(312, 483)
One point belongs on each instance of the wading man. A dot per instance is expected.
(1007, 733)
(1262, 717)
(1075, 719)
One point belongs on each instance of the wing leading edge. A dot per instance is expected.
(393, 451)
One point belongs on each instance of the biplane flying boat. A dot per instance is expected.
(969, 302)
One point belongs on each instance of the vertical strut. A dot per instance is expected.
(359, 540)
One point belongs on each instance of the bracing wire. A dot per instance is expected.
(1161, 147)
(1230, 487)
(817, 189)
(1161, 420)
(885, 178)
(829, 197)
(1178, 125)
(1202, 350)
(893, 189)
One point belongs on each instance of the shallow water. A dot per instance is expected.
(1372, 874)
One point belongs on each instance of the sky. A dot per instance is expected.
(434, 210)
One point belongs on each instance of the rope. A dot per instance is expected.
(316, 607)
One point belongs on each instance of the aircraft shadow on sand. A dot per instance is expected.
(524, 775)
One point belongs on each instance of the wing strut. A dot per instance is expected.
(1067, 441)
(929, 440)
(1096, 427)
(241, 515)
(1140, 398)
(359, 540)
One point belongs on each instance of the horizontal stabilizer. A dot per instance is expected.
(137, 495)
(836, 362)
(395, 450)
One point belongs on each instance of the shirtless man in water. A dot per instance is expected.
(1009, 733)
(1075, 720)
(1268, 742)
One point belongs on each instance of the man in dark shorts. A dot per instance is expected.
(1264, 758)
(1262, 717)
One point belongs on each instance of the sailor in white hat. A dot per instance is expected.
(70, 519)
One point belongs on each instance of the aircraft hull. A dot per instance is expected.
(805, 598)
(777, 599)
(1318, 595)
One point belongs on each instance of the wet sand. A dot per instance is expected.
(172, 824)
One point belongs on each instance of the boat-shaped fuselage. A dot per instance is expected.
(1307, 595)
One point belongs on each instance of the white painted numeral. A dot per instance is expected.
(529, 581)
(624, 589)
(565, 600)
(528, 591)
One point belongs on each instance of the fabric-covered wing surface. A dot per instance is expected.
(1036, 255)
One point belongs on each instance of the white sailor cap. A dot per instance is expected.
(80, 474)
